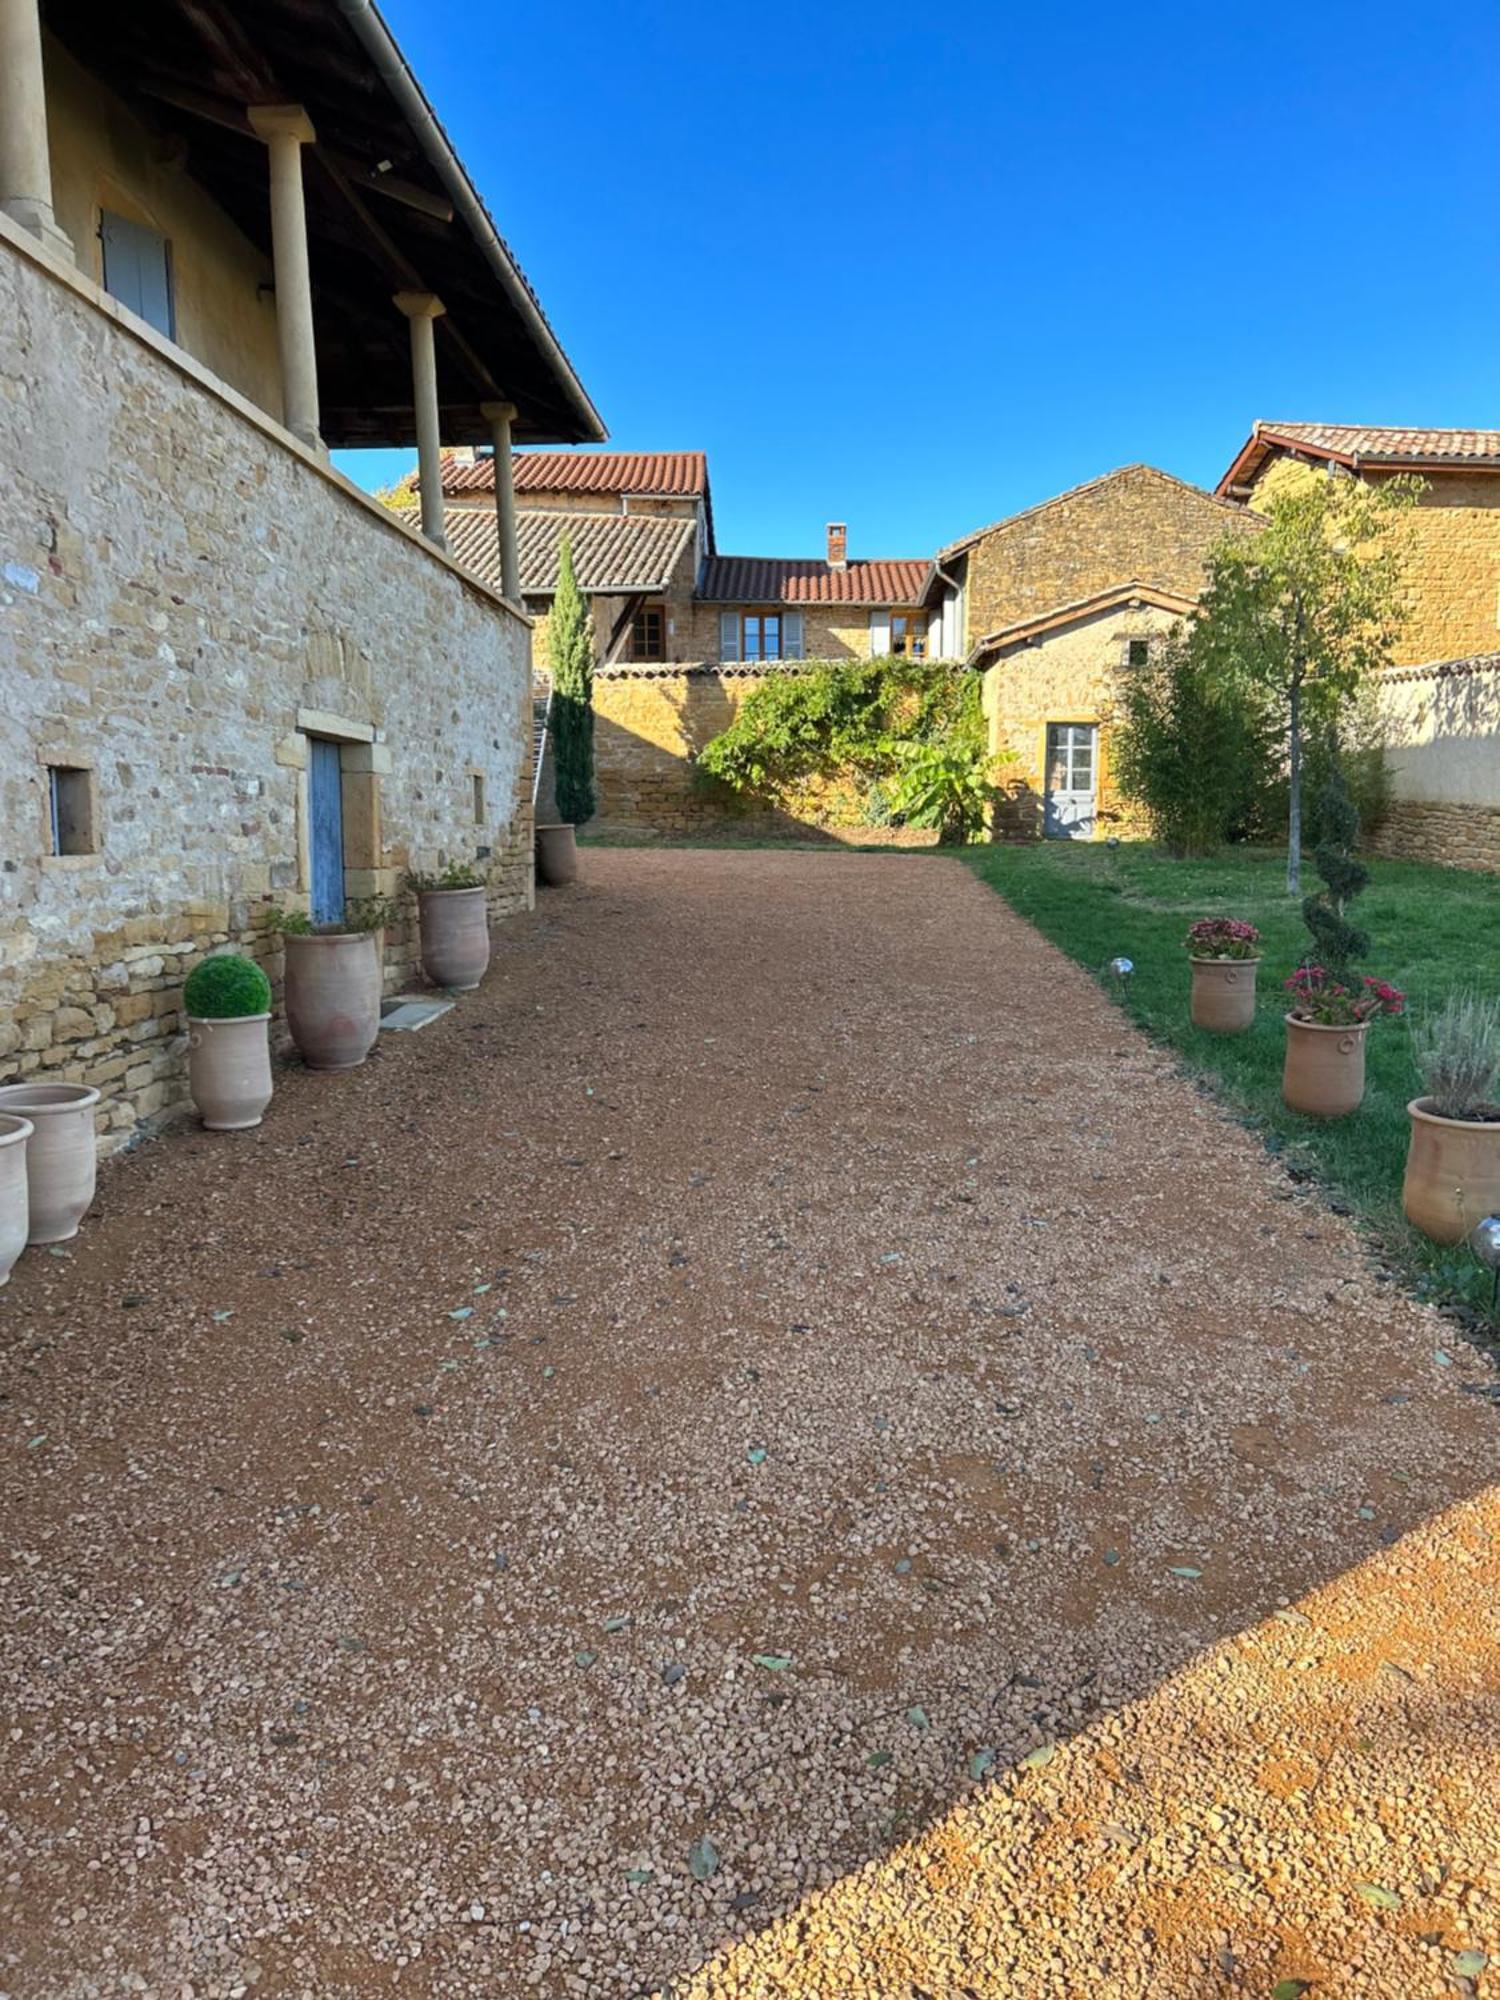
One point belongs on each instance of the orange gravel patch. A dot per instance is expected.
(778, 1450)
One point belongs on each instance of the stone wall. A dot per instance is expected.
(1456, 836)
(648, 726)
(1133, 526)
(186, 597)
(1453, 561)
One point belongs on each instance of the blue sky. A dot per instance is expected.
(917, 268)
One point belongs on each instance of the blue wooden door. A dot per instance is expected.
(325, 800)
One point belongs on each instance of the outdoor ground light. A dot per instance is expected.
(1120, 970)
(1484, 1241)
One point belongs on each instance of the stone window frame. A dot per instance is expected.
(64, 757)
(1128, 644)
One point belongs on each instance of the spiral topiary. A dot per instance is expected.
(1336, 941)
(226, 988)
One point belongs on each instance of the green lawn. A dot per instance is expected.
(1431, 929)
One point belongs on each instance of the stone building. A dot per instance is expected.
(1441, 700)
(229, 240)
(1053, 605)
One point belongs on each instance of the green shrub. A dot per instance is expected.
(1457, 1051)
(226, 988)
(947, 785)
(1192, 749)
(839, 719)
(361, 913)
(457, 875)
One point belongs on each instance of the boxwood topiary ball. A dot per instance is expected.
(226, 988)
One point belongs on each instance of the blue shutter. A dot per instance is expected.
(729, 635)
(136, 270)
(325, 800)
(791, 635)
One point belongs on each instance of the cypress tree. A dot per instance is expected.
(570, 644)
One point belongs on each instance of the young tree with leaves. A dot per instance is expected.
(1308, 608)
(570, 646)
(1189, 747)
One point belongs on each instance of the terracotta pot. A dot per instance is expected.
(1452, 1172)
(1325, 1068)
(60, 1157)
(14, 1207)
(333, 997)
(1224, 994)
(557, 854)
(229, 1070)
(455, 936)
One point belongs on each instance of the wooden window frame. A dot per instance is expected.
(655, 609)
(760, 618)
(907, 651)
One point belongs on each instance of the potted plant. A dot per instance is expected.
(452, 909)
(61, 1163)
(1453, 1158)
(1326, 1022)
(1330, 1008)
(14, 1208)
(570, 645)
(333, 982)
(226, 1001)
(1223, 952)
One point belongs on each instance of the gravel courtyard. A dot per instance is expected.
(777, 1450)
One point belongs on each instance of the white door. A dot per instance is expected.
(1072, 766)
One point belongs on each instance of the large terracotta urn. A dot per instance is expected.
(229, 1070)
(1452, 1176)
(61, 1162)
(557, 854)
(455, 936)
(1324, 1075)
(1224, 994)
(333, 996)
(15, 1208)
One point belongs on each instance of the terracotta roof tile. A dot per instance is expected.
(611, 552)
(774, 580)
(672, 474)
(1363, 445)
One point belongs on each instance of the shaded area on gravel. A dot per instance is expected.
(785, 1346)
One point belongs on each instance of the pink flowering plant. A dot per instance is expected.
(1222, 937)
(1318, 997)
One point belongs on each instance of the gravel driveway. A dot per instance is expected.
(778, 1450)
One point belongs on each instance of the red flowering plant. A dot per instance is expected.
(1318, 997)
(1222, 937)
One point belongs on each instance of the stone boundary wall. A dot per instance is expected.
(649, 724)
(186, 597)
(1456, 836)
(1442, 729)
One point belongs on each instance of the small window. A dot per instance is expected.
(71, 804)
(138, 270)
(1137, 652)
(648, 633)
(760, 635)
(480, 817)
(909, 634)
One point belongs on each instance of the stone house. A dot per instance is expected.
(1440, 702)
(1053, 605)
(231, 238)
(640, 526)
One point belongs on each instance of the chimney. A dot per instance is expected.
(460, 454)
(838, 545)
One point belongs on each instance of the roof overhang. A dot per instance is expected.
(1266, 442)
(1122, 596)
(389, 205)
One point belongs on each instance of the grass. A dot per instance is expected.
(1432, 929)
